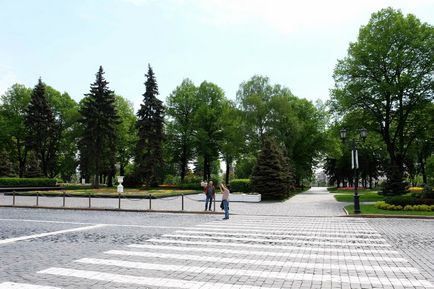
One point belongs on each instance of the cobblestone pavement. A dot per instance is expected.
(73, 249)
(315, 202)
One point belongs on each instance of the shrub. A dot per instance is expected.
(415, 189)
(240, 185)
(27, 182)
(132, 181)
(385, 206)
(190, 186)
(171, 180)
(408, 200)
(427, 192)
(191, 178)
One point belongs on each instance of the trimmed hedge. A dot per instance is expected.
(27, 182)
(240, 185)
(407, 200)
(385, 206)
(189, 186)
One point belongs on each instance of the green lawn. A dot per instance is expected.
(372, 210)
(112, 193)
(334, 190)
(366, 196)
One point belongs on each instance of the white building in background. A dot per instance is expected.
(320, 179)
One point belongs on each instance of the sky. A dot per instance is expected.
(294, 43)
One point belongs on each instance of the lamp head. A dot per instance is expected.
(343, 134)
(363, 133)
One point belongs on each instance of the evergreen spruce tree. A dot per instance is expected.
(43, 133)
(270, 175)
(98, 141)
(149, 151)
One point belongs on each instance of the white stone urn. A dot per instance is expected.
(120, 181)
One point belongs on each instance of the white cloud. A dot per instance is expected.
(288, 16)
(284, 16)
(7, 78)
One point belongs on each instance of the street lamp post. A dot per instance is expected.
(355, 164)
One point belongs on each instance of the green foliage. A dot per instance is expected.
(126, 133)
(430, 170)
(98, 121)
(270, 177)
(12, 126)
(427, 193)
(42, 130)
(232, 143)
(190, 186)
(182, 105)
(415, 207)
(295, 123)
(208, 124)
(387, 74)
(132, 181)
(192, 178)
(408, 200)
(240, 185)
(244, 166)
(149, 147)
(27, 182)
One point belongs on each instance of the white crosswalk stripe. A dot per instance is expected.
(139, 280)
(260, 246)
(12, 285)
(272, 232)
(202, 258)
(291, 236)
(305, 254)
(325, 242)
(237, 253)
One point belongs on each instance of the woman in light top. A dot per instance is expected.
(225, 199)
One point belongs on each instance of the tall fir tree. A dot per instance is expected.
(271, 175)
(99, 119)
(149, 148)
(43, 132)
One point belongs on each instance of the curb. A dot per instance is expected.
(113, 210)
(373, 216)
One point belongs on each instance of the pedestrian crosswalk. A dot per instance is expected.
(247, 252)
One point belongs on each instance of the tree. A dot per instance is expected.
(233, 141)
(208, 124)
(65, 111)
(295, 123)
(149, 150)
(13, 133)
(126, 133)
(388, 74)
(182, 104)
(253, 98)
(270, 177)
(98, 120)
(42, 130)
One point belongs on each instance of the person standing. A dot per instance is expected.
(225, 199)
(210, 195)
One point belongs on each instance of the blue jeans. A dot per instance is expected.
(208, 198)
(226, 208)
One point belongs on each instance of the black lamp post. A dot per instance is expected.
(355, 164)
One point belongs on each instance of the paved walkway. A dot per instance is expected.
(299, 243)
(315, 202)
(246, 252)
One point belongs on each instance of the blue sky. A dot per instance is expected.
(295, 43)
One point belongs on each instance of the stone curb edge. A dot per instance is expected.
(389, 216)
(112, 210)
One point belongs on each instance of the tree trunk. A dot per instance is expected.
(205, 159)
(183, 164)
(228, 166)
